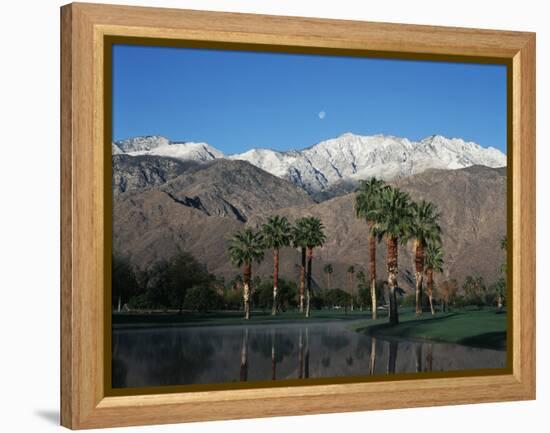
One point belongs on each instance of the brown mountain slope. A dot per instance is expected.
(472, 203)
(144, 171)
(198, 212)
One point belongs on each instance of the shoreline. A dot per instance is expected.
(456, 327)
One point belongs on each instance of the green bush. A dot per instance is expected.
(233, 299)
(168, 281)
(316, 302)
(408, 300)
(202, 298)
(124, 282)
(286, 295)
(139, 302)
(337, 298)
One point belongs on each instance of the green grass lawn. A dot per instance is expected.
(215, 318)
(472, 327)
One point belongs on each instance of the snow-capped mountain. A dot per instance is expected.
(348, 157)
(161, 146)
(353, 157)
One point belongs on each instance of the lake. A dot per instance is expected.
(220, 354)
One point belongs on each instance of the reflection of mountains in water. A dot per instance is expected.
(179, 356)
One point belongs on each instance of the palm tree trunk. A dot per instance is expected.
(246, 290)
(372, 271)
(302, 280)
(309, 265)
(429, 287)
(275, 280)
(419, 269)
(392, 278)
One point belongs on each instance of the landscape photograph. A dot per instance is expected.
(282, 217)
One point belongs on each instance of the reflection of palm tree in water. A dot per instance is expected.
(244, 357)
(372, 365)
(118, 366)
(392, 358)
(429, 357)
(306, 368)
(418, 357)
(273, 360)
(303, 361)
(300, 356)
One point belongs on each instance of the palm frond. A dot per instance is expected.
(245, 247)
(277, 232)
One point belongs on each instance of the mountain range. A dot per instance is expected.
(165, 204)
(333, 166)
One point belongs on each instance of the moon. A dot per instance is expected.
(322, 115)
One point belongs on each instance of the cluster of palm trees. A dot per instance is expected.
(248, 246)
(391, 215)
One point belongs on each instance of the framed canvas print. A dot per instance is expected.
(270, 216)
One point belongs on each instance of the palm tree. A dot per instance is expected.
(351, 271)
(393, 224)
(328, 270)
(367, 207)
(434, 263)
(424, 229)
(314, 237)
(276, 234)
(299, 240)
(246, 247)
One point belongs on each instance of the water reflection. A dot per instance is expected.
(418, 357)
(273, 358)
(372, 358)
(429, 357)
(173, 356)
(392, 358)
(244, 357)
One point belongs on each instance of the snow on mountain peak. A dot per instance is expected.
(161, 146)
(348, 157)
(352, 157)
(141, 143)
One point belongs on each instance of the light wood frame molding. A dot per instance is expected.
(83, 29)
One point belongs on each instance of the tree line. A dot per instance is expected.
(390, 215)
(248, 246)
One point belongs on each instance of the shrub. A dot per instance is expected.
(202, 298)
(408, 300)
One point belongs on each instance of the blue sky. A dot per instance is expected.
(240, 100)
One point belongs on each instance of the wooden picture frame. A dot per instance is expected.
(85, 212)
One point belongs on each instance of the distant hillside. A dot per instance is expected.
(197, 207)
(197, 211)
